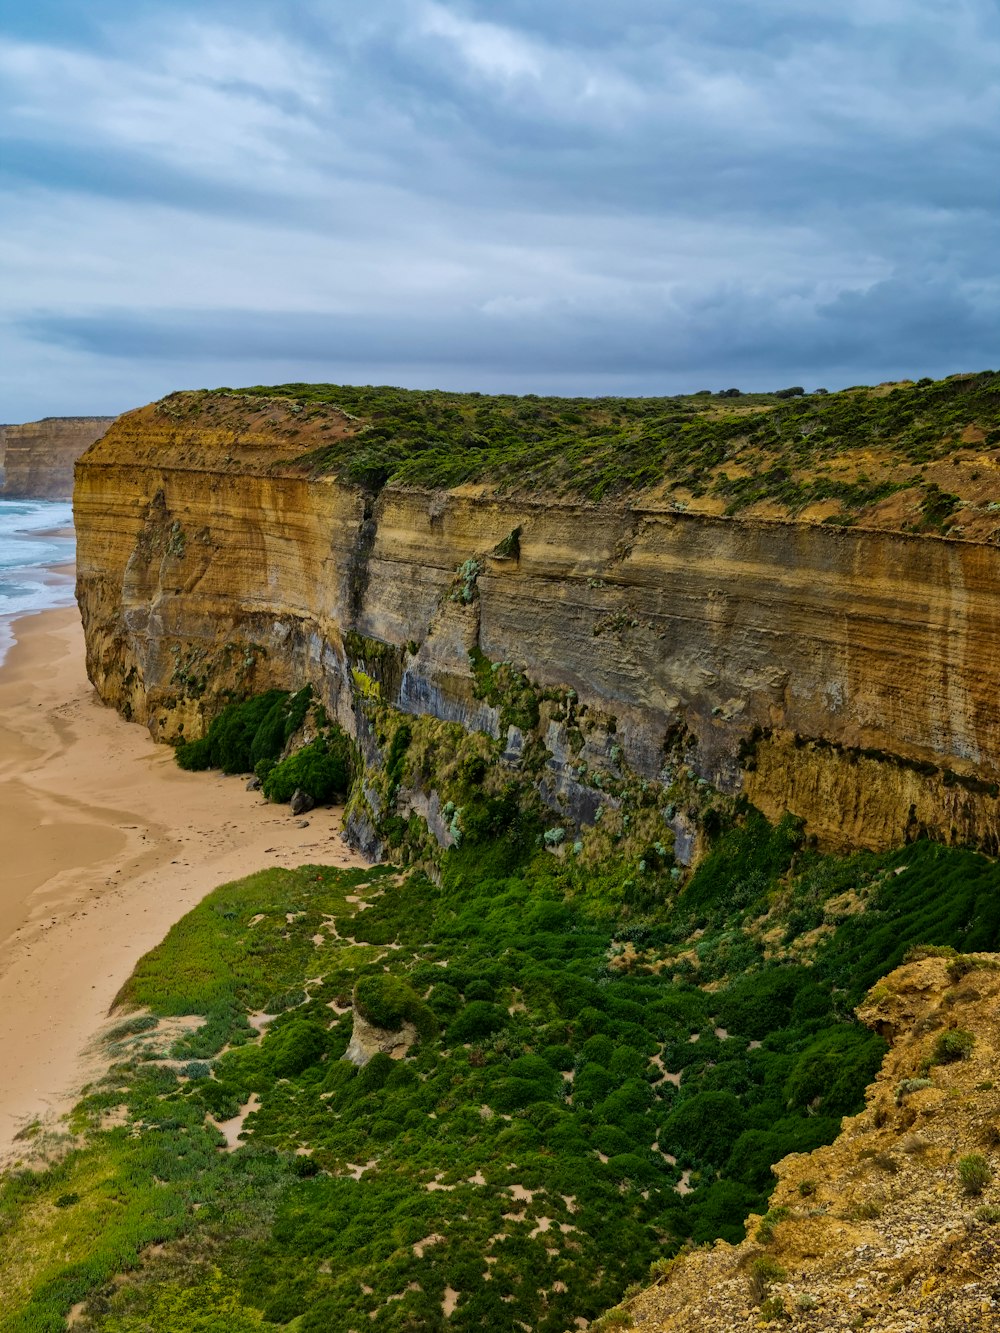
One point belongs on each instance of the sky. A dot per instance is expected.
(548, 196)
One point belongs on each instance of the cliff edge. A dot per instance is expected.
(894, 1226)
(844, 671)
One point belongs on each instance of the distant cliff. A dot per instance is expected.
(36, 459)
(845, 672)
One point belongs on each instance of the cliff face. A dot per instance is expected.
(846, 675)
(883, 1229)
(36, 459)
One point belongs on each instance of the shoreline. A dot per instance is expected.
(59, 578)
(107, 843)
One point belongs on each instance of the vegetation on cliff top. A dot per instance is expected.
(856, 447)
(512, 1169)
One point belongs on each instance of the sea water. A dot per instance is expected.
(29, 547)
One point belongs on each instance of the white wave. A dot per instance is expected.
(29, 547)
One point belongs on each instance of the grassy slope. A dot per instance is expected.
(523, 986)
(850, 451)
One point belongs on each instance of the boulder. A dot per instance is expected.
(368, 1040)
(301, 801)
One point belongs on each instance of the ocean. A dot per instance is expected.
(27, 550)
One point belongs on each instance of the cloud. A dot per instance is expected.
(645, 195)
(666, 340)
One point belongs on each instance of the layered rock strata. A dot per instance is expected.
(845, 675)
(37, 459)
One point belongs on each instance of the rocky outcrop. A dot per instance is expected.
(36, 459)
(846, 675)
(367, 1040)
(894, 1226)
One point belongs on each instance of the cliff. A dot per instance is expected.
(841, 671)
(36, 459)
(892, 1226)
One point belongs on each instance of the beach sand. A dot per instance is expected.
(105, 843)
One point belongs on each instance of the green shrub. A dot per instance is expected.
(374, 1075)
(908, 1085)
(445, 1000)
(294, 1046)
(755, 1150)
(196, 756)
(559, 1057)
(772, 1309)
(516, 1094)
(761, 1002)
(243, 733)
(131, 1027)
(591, 1085)
(195, 1069)
(477, 1020)
(599, 1049)
(771, 1219)
(479, 990)
(322, 769)
(952, 1046)
(742, 862)
(831, 1068)
(388, 1002)
(535, 1068)
(974, 1173)
(762, 1272)
(706, 1124)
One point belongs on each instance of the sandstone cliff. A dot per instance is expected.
(885, 1229)
(36, 459)
(843, 673)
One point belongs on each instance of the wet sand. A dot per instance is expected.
(104, 844)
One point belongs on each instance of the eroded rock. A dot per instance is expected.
(368, 1040)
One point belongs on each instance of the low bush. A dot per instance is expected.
(974, 1173)
(762, 1272)
(952, 1046)
(322, 769)
(293, 1046)
(773, 1309)
(706, 1124)
(388, 1002)
(831, 1068)
(246, 732)
(907, 1086)
(761, 1003)
(769, 1222)
(477, 1020)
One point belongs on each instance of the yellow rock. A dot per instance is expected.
(211, 559)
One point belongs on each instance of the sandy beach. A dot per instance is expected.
(106, 843)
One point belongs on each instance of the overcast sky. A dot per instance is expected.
(566, 196)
